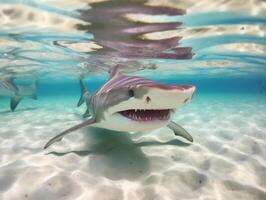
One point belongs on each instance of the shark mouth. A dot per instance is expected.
(146, 115)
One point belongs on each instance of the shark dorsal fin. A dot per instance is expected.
(114, 71)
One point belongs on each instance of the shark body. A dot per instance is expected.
(132, 104)
(16, 93)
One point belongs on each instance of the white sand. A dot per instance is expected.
(226, 161)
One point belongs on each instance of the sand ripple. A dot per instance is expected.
(226, 161)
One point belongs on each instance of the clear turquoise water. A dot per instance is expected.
(218, 46)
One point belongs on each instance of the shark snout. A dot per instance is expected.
(168, 96)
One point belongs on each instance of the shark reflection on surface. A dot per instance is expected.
(122, 38)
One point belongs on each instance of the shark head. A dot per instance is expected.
(131, 103)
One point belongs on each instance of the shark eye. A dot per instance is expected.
(131, 93)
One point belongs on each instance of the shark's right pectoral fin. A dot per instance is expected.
(61, 135)
(14, 101)
(179, 131)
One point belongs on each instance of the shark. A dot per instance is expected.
(17, 93)
(132, 104)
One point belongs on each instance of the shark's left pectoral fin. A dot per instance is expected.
(179, 131)
(61, 135)
(14, 101)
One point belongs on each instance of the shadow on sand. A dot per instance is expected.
(115, 156)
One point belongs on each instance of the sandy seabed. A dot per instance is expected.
(226, 161)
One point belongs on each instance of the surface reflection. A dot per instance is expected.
(121, 37)
(63, 38)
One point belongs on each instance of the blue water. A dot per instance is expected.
(218, 46)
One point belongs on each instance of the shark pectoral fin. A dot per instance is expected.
(179, 131)
(14, 101)
(61, 135)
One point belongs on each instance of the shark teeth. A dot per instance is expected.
(146, 115)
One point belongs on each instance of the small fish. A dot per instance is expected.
(132, 104)
(16, 93)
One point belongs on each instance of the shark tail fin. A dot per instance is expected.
(83, 93)
(14, 101)
(32, 89)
